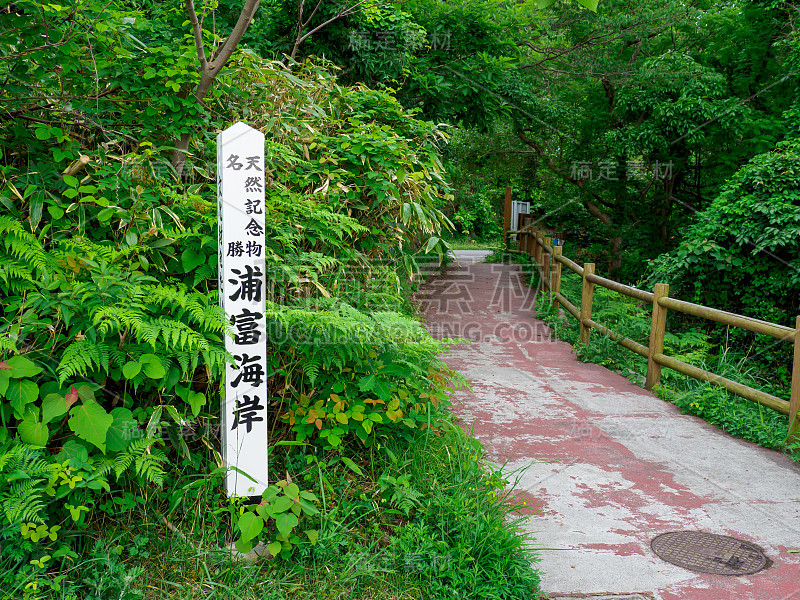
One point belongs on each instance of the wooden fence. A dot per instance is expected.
(549, 260)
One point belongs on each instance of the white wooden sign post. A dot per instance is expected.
(242, 289)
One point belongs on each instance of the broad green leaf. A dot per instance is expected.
(274, 548)
(131, 369)
(76, 453)
(292, 490)
(367, 383)
(285, 522)
(282, 504)
(250, 525)
(33, 433)
(42, 133)
(84, 391)
(120, 432)
(90, 422)
(152, 366)
(5, 377)
(191, 259)
(270, 494)
(313, 536)
(53, 406)
(197, 401)
(243, 546)
(22, 367)
(308, 508)
(21, 392)
(590, 4)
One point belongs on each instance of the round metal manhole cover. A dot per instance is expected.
(709, 553)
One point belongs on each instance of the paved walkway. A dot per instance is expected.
(609, 465)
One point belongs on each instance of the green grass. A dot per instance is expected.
(465, 243)
(423, 518)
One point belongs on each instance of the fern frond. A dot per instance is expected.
(82, 357)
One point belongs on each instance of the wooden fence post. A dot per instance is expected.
(658, 325)
(794, 401)
(537, 249)
(546, 266)
(586, 303)
(555, 274)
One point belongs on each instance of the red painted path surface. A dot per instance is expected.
(606, 465)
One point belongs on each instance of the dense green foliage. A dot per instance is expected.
(111, 353)
(742, 251)
(662, 137)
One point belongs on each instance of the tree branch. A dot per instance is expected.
(593, 208)
(197, 31)
(209, 70)
(342, 12)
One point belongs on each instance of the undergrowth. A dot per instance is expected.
(424, 519)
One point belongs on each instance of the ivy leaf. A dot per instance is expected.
(90, 422)
(119, 433)
(285, 522)
(33, 433)
(274, 548)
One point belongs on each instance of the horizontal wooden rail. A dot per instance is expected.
(745, 391)
(620, 339)
(571, 308)
(621, 288)
(548, 260)
(571, 265)
(720, 316)
(545, 247)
